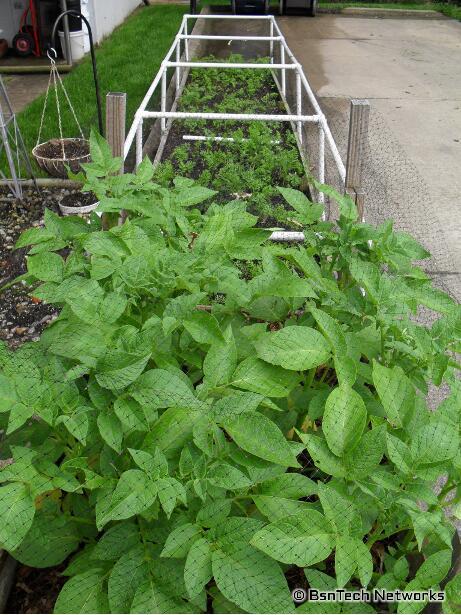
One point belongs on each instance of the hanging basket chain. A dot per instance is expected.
(70, 104)
(58, 108)
(56, 80)
(42, 119)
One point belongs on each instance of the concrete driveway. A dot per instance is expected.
(410, 70)
(23, 89)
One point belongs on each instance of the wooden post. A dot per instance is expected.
(115, 134)
(360, 202)
(358, 135)
(115, 123)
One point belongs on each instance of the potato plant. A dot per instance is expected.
(193, 438)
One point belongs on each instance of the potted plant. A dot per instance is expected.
(59, 155)
(56, 156)
(77, 203)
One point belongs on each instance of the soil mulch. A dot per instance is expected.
(72, 149)
(22, 318)
(35, 589)
(175, 139)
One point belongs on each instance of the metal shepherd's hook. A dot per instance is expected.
(93, 57)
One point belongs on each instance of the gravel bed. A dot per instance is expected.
(22, 317)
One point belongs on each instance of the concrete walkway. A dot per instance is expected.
(23, 89)
(410, 70)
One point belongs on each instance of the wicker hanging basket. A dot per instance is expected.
(49, 156)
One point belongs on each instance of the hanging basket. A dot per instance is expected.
(49, 155)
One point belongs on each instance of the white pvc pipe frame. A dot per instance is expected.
(318, 118)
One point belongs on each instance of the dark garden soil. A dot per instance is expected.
(79, 199)
(22, 317)
(217, 127)
(175, 139)
(35, 590)
(73, 149)
(233, 98)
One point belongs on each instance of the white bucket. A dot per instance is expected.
(77, 45)
(77, 211)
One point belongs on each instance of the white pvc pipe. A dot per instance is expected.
(248, 117)
(286, 236)
(308, 89)
(333, 148)
(163, 101)
(145, 101)
(132, 132)
(321, 161)
(210, 37)
(331, 142)
(315, 104)
(290, 54)
(189, 16)
(186, 42)
(178, 69)
(205, 138)
(227, 65)
(171, 50)
(299, 106)
(284, 75)
(139, 143)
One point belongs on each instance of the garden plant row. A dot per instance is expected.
(253, 158)
(214, 419)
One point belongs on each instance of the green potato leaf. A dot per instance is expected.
(294, 348)
(344, 419)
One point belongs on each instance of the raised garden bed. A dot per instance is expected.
(252, 158)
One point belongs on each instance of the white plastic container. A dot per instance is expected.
(77, 211)
(77, 44)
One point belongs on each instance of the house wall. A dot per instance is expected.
(10, 15)
(105, 15)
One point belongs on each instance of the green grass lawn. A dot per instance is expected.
(127, 62)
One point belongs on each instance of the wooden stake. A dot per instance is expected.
(358, 134)
(115, 122)
(115, 135)
(360, 202)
